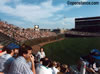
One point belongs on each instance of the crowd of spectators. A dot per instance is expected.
(81, 33)
(21, 34)
(15, 59)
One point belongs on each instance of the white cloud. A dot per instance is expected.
(36, 13)
(31, 13)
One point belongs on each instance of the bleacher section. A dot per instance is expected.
(22, 34)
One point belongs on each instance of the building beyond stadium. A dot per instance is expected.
(91, 24)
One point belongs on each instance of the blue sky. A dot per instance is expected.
(48, 14)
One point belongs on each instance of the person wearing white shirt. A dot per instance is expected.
(53, 67)
(40, 54)
(43, 68)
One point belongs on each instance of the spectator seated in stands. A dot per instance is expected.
(7, 59)
(96, 55)
(65, 69)
(15, 47)
(20, 65)
(92, 61)
(53, 67)
(43, 68)
(40, 54)
(2, 53)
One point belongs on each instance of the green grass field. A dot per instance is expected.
(69, 50)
